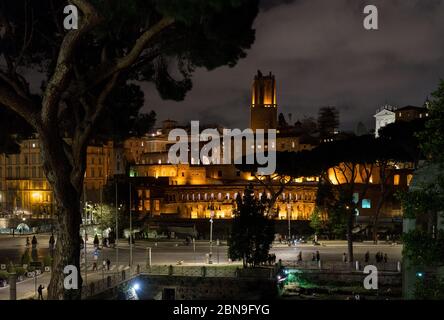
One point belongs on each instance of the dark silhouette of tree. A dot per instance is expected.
(346, 165)
(282, 123)
(328, 121)
(116, 42)
(424, 245)
(252, 231)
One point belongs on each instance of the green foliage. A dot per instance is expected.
(47, 261)
(10, 267)
(432, 138)
(252, 232)
(20, 271)
(4, 275)
(329, 201)
(420, 201)
(423, 249)
(26, 257)
(425, 202)
(316, 221)
(105, 215)
(429, 289)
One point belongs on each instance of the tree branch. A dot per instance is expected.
(24, 107)
(59, 79)
(106, 70)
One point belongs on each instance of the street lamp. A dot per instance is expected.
(289, 221)
(211, 207)
(131, 229)
(117, 232)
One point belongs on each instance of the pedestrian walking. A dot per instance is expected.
(96, 241)
(34, 241)
(108, 264)
(27, 241)
(344, 257)
(313, 256)
(385, 258)
(300, 256)
(40, 292)
(51, 242)
(318, 256)
(104, 264)
(94, 266)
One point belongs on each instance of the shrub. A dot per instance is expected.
(26, 257)
(47, 261)
(4, 275)
(20, 271)
(10, 267)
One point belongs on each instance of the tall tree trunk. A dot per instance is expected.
(65, 174)
(67, 251)
(350, 236)
(376, 219)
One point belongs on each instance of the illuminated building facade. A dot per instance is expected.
(24, 189)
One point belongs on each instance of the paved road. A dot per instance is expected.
(170, 252)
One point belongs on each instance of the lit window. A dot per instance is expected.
(157, 205)
(355, 197)
(396, 179)
(366, 204)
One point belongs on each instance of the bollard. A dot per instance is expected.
(204, 271)
(320, 264)
(357, 265)
(12, 286)
(398, 266)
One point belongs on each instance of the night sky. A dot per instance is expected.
(321, 55)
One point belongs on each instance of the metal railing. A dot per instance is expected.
(340, 266)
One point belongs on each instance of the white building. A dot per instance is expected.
(384, 116)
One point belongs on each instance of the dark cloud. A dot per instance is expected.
(321, 55)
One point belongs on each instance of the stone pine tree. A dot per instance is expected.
(252, 231)
(116, 43)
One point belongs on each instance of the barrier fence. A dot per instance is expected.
(341, 266)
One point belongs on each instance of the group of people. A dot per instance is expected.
(33, 242)
(106, 264)
(381, 257)
(106, 241)
(315, 256)
(271, 259)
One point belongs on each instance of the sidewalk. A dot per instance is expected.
(336, 243)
